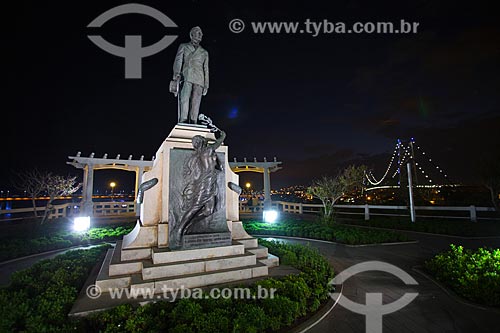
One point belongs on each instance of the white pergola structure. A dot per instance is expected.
(91, 163)
(264, 167)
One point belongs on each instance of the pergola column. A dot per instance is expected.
(267, 189)
(88, 186)
(261, 167)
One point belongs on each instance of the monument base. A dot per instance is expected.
(157, 269)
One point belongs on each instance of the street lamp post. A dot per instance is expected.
(112, 184)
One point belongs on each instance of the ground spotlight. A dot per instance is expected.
(81, 223)
(270, 216)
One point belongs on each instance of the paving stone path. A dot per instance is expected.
(434, 310)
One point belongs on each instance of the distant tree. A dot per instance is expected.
(33, 182)
(330, 189)
(490, 177)
(58, 186)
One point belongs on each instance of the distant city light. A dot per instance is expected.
(270, 216)
(81, 223)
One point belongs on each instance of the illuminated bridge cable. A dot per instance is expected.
(406, 153)
(433, 164)
(374, 181)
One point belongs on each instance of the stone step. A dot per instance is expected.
(260, 251)
(119, 267)
(151, 271)
(248, 242)
(132, 254)
(165, 256)
(137, 283)
(104, 281)
(136, 254)
(208, 278)
(270, 261)
(194, 280)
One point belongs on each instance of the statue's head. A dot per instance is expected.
(199, 142)
(196, 35)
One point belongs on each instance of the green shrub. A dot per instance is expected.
(281, 311)
(338, 233)
(218, 320)
(57, 239)
(474, 275)
(435, 225)
(186, 311)
(250, 318)
(39, 298)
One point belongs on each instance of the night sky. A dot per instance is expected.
(316, 103)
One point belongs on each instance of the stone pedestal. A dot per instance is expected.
(221, 253)
(154, 218)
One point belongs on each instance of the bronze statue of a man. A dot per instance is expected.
(191, 66)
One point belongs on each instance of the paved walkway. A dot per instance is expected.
(432, 311)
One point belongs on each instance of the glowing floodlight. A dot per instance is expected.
(81, 223)
(270, 216)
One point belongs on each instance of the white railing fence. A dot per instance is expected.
(72, 209)
(464, 212)
(471, 213)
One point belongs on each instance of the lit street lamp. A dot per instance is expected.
(112, 184)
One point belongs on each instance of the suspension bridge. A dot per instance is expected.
(424, 170)
(421, 171)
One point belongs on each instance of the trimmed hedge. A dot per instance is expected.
(474, 275)
(41, 297)
(337, 233)
(435, 226)
(295, 297)
(53, 239)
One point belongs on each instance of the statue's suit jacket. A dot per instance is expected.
(192, 63)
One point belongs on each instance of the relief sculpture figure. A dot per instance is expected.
(200, 196)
